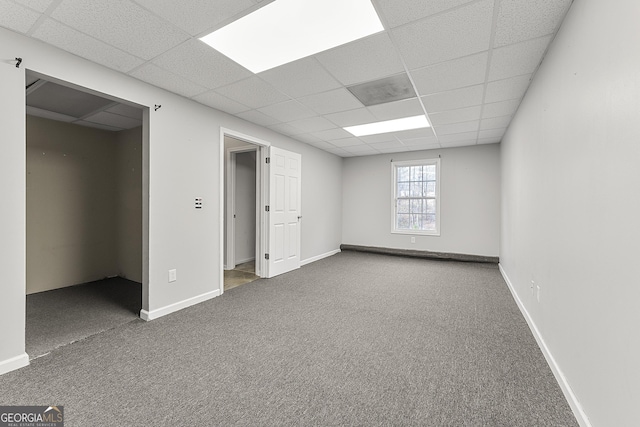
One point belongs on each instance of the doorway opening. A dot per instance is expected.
(86, 214)
(243, 216)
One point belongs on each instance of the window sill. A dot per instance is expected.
(417, 233)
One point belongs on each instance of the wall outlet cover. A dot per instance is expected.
(172, 275)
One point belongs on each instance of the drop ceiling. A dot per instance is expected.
(470, 63)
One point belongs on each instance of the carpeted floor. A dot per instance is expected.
(354, 339)
(62, 316)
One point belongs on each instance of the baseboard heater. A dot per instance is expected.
(422, 254)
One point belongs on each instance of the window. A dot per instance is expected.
(416, 197)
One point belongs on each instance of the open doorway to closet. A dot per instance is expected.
(85, 213)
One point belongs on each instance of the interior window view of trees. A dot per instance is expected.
(416, 197)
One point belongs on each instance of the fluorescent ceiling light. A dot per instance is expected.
(286, 30)
(407, 123)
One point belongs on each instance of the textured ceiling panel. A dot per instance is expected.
(454, 99)
(394, 15)
(258, 118)
(425, 140)
(375, 139)
(455, 116)
(367, 59)
(491, 133)
(455, 74)
(160, 77)
(497, 109)
(503, 90)
(457, 128)
(398, 109)
(347, 142)
(15, 17)
(285, 129)
(414, 133)
(196, 16)
(495, 122)
(39, 5)
(312, 124)
(488, 140)
(287, 111)
(388, 144)
(219, 102)
(331, 134)
(352, 117)
(82, 45)
(97, 126)
(520, 20)
(211, 69)
(115, 120)
(300, 78)
(440, 38)
(467, 136)
(65, 100)
(127, 111)
(253, 92)
(517, 59)
(332, 101)
(122, 24)
(46, 114)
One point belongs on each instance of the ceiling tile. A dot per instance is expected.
(339, 152)
(347, 142)
(122, 24)
(491, 133)
(97, 126)
(197, 62)
(423, 147)
(455, 74)
(299, 78)
(352, 117)
(414, 133)
(374, 139)
(258, 118)
(220, 102)
(321, 145)
(388, 144)
(285, 129)
(312, 124)
(429, 140)
(495, 122)
(363, 60)
(46, 114)
(453, 99)
(466, 136)
(361, 150)
(454, 144)
(397, 109)
(328, 135)
(39, 5)
(253, 92)
(287, 111)
(308, 138)
(65, 100)
(126, 110)
(166, 80)
(457, 127)
(440, 38)
(15, 17)
(411, 10)
(196, 16)
(394, 150)
(331, 102)
(115, 120)
(520, 20)
(456, 116)
(517, 59)
(493, 140)
(503, 90)
(497, 109)
(80, 44)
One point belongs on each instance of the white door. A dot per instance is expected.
(284, 211)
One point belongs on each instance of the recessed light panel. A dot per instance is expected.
(407, 123)
(286, 30)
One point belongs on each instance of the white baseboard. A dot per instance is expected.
(14, 363)
(242, 261)
(319, 257)
(159, 312)
(578, 412)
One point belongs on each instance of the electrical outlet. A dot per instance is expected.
(172, 275)
(538, 293)
(413, 239)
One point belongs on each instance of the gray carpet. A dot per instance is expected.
(62, 316)
(355, 339)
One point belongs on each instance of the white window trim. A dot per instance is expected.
(394, 189)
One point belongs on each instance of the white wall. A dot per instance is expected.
(469, 201)
(183, 157)
(571, 207)
(245, 220)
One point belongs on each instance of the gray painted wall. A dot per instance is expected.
(571, 203)
(470, 201)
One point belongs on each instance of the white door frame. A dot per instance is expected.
(230, 263)
(261, 197)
